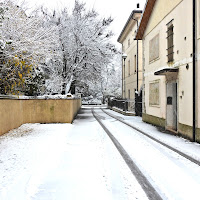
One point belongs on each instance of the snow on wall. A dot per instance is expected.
(15, 112)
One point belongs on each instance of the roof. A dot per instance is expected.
(145, 19)
(165, 71)
(129, 19)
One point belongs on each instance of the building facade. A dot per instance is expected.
(132, 65)
(166, 30)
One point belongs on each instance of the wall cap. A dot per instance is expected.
(44, 97)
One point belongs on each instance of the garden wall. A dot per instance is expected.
(15, 112)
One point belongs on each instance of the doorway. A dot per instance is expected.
(171, 118)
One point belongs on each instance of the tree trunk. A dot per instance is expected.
(73, 87)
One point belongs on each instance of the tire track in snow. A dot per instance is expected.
(154, 139)
(145, 184)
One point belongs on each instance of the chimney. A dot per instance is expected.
(138, 5)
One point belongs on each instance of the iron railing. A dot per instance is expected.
(127, 105)
(123, 104)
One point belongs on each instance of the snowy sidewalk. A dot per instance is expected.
(190, 148)
(173, 176)
(64, 161)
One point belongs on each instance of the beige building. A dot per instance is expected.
(166, 30)
(132, 67)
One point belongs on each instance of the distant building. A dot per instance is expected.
(132, 67)
(166, 30)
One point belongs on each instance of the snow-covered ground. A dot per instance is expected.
(173, 176)
(190, 148)
(64, 161)
(79, 162)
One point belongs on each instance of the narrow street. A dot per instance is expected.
(99, 100)
(80, 162)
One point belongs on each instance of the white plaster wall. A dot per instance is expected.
(182, 21)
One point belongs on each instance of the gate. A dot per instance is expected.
(138, 104)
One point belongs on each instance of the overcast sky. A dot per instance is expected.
(118, 9)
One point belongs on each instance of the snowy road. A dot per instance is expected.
(173, 176)
(63, 161)
(79, 162)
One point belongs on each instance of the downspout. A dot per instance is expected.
(124, 56)
(136, 97)
(137, 54)
(122, 80)
(137, 62)
(194, 70)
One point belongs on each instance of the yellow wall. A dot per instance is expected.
(15, 112)
(131, 51)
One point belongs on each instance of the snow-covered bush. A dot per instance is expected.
(27, 41)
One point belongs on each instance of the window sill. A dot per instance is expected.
(150, 62)
(170, 63)
(154, 106)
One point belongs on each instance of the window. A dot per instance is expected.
(154, 99)
(135, 63)
(129, 68)
(123, 48)
(129, 42)
(154, 48)
(170, 42)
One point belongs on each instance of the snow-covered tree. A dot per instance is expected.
(111, 78)
(85, 40)
(110, 83)
(27, 43)
(52, 53)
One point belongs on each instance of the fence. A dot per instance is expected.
(123, 104)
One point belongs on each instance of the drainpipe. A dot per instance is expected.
(137, 54)
(137, 62)
(122, 80)
(124, 56)
(194, 70)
